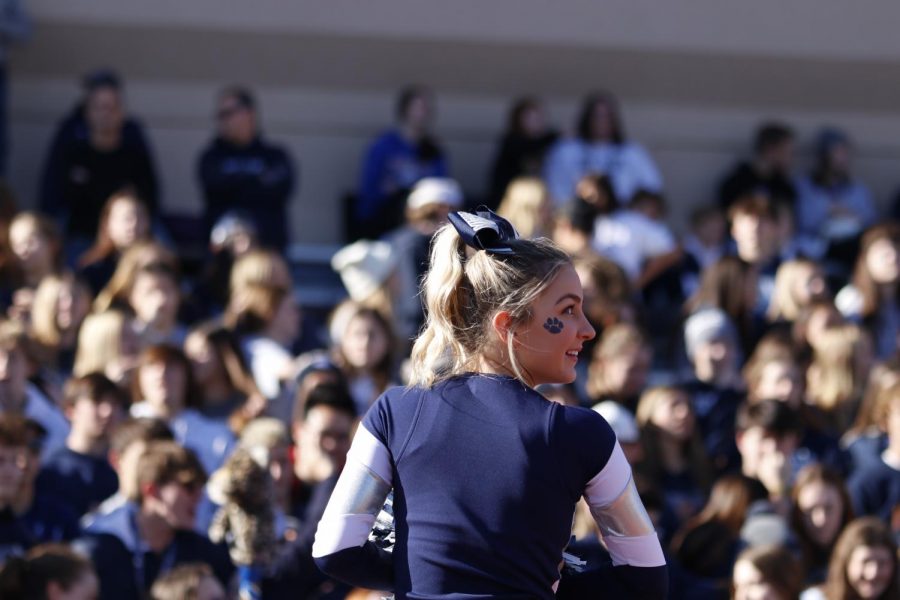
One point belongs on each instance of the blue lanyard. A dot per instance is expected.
(141, 549)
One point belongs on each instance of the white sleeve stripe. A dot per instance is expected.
(339, 532)
(610, 482)
(371, 453)
(639, 551)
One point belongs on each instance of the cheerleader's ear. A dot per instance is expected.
(501, 324)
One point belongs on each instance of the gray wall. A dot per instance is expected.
(695, 79)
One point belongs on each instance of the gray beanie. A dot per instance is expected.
(708, 325)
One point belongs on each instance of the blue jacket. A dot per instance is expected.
(127, 568)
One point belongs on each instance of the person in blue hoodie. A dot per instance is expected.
(395, 161)
(485, 471)
(152, 532)
(241, 171)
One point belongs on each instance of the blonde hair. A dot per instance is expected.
(463, 291)
(253, 306)
(99, 342)
(834, 379)
(259, 267)
(616, 340)
(524, 204)
(784, 304)
(45, 328)
(140, 255)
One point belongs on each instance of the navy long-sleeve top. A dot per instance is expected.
(486, 475)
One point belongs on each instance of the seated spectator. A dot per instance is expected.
(363, 348)
(37, 246)
(773, 373)
(619, 366)
(715, 385)
(835, 380)
(704, 244)
(600, 147)
(260, 266)
(127, 444)
(707, 545)
(833, 207)
(61, 303)
(163, 389)
(526, 205)
(394, 162)
(240, 170)
(97, 150)
(863, 564)
(49, 572)
(193, 581)
(767, 172)
(798, 283)
(866, 439)
(81, 472)
(730, 285)
(322, 432)
(150, 535)
(46, 516)
(753, 226)
(155, 297)
(573, 226)
(674, 456)
(522, 147)
(15, 536)
(607, 301)
(811, 323)
(767, 434)
(626, 236)
(875, 487)
(138, 256)
(872, 296)
(107, 344)
(322, 437)
(223, 378)
(20, 397)
(124, 221)
(266, 320)
(820, 510)
(769, 572)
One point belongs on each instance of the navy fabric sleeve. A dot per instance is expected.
(583, 441)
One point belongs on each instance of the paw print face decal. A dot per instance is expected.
(553, 325)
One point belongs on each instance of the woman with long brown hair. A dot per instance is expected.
(872, 296)
(820, 509)
(863, 563)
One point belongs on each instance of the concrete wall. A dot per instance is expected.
(694, 78)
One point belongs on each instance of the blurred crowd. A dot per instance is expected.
(173, 427)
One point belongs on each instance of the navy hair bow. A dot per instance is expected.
(484, 230)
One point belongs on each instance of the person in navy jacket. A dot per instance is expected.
(485, 471)
(240, 171)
